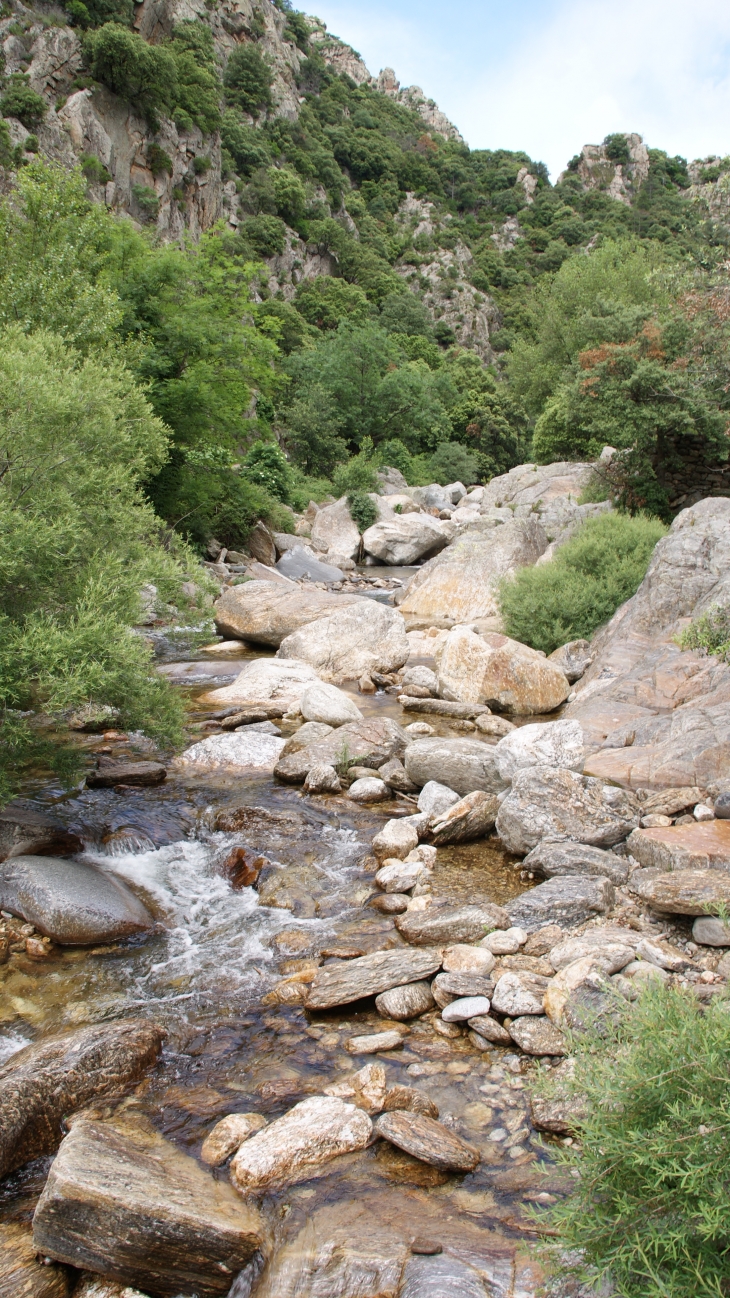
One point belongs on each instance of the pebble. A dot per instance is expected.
(425, 1247)
(461, 958)
(505, 941)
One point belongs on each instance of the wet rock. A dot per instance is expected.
(499, 672)
(393, 903)
(421, 676)
(368, 743)
(70, 901)
(27, 832)
(43, 1084)
(683, 892)
(369, 789)
(546, 802)
(450, 924)
(683, 847)
(567, 901)
(490, 1030)
(520, 993)
(407, 1097)
(241, 866)
(442, 708)
(228, 1135)
(394, 775)
(471, 818)
(711, 932)
(322, 779)
(538, 1036)
(21, 1274)
(96, 1287)
(240, 751)
(464, 959)
(465, 1007)
(504, 942)
(493, 726)
(296, 1146)
(351, 641)
(334, 530)
(366, 1088)
(563, 1111)
(461, 764)
(310, 733)
(557, 743)
(396, 839)
(265, 612)
(300, 561)
(573, 658)
(556, 857)
(403, 1003)
(266, 681)
(108, 773)
(440, 1277)
(370, 975)
(122, 1200)
(374, 1042)
(434, 798)
(328, 705)
(400, 876)
(428, 1140)
(405, 538)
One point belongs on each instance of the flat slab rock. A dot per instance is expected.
(428, 1140)
(683, 892)
(108, 773)
(294, 1147)
(264, 612)
(43, 1084)
(369, 975)
(554, 857)
(123, 1201)
(461, 764)
(683, 847)
(567, 901)
(446, 924)
(71, 901)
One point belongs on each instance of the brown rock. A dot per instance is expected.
(444, 707)
(369, 976)
(470, 818)
(43, 1084)
(366, 1088)
(391, 903)
(543, 941)
(403, 1003)
(446, 924)
(424, 1138)
(407, 1097)
(108, 773)
(500, 672)
(488, 1028)
(704, 846)
(261, 545)
(683, 892)
(242, 867)
(21, 1274)
(228, 1135)
(538, 1036)
(26, 832)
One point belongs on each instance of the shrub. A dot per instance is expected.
(710, 631)
(444, 335)
(360, 474)
(93, 13)
(581, 588)
(266, 466)
(651, 1201)
(144, 74)
(290, 195)
(452, 462)
(158, 161)
(30, 144)
(147, 201)
(617, 148)
(201, 165)
(363, 510)
(198, 84)
(21, 101)
(94, 169)
(244, 143)
(247, 80)
(266, 234)
(6, 148)
(326, 301)
(397, 456)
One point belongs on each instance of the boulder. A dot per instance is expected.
(27, 832)
(242, 751)
(43, 1084)
(447, 924)
(444, 1276)
(580, 995)
(300, 1144)
(567, 901)
(703, 846)
(350, 641)
(369, 975)
(394, 775)
(573, 659)
(369, 789)
(663, 955)
(443, 708)
(434, 798)
(683, 892)
(423, 677)
(403, 1003)
(123, 1201)
(538, 1036)
(22, 1274)
(328, 705)
(228, 1135)
(499, 672)
(711, 932)
(396, 839)
(461, 764)
(547, 802)
(518, 994)
(400, 876)
(610, 949)
(471, 818)
(261, 545)
(70, 901)
(405, 538)
(424, 1138)
(301, 562)
(368, 743)
(366, 1088)
(554, 857)
(334, 530)
(310, 733)
(264, 612)
(321, 778)
(562, 1111)
(109, 773)
(267, 681)
(460, 584)
(493, 726)
(557, 743)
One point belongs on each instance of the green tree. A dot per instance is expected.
(247, 80)
(144, 74)
(311, 425)
(21, 101)
(266, 466)
(326, 301)
(404, 313)
(199, 87)
(452, 462)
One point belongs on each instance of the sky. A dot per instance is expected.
(549, 76)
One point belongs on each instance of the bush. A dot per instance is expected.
(396, 455)
(650, 1206)
(266, 234)
(6, 148)
(581, 588)
(290, 195)
(266, 466)
(94, 169)
(247, 80)
(360, 474)
(244, 143)
(21, 101)
(147, 201)
(617, 148)
(158, 161)
(452, 462)
(144, 74)
(326, 301)
(199, 88)
(93, 13)
(363, 510)
(710, 631)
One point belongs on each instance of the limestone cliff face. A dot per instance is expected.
(621, 181)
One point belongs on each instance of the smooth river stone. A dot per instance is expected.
(448, 925)
(400, 876)
(466, 1007)
(109, 773)
(294, 1147)
(369, 975)
(490, 1030)
(462, 958)
(402, 1003)
(70, 901)
(463, 984)
(228, 1135)
(123, 1201)
(428, 1140)
(519, 993)
(374, 1042)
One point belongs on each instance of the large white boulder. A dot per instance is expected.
(361, 638)
(240, 751)
(405, 538)
(266, 680)
(333, 530)
(545, 802)
(264, 612)
(555, 743)
(327, 704)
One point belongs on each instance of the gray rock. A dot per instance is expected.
(369, 975)
(711, 932)
(573, 658)
(394, 775)
(518, 993)
(400, 876)
(610, 950)
(261, 545)
(369, 743)
(350, 641)
(683, 892)
(374, 1042)
(328, 705)
(450, 924)
(243, 750)
(567, 901)
(109, 772)
(369, 789)
(538, 1036)
(722, 806)
(265, 684)
(436, 798)
(405, 538)
(422, 676)
(461, 764)
(334, 530)
(442, 1276)
(70, 901)
(463, 984)
(499, 672)
(43, 1084)
(444, 708)
(553, 857)
(546, 802)
(471, 818)
(408, 1002)
(490, 1030)
(123, 1201)
(396, 839)
(322, 779)
(464, 1008)
(310, 733)
(265, 612)
(301, 562)
(27, 832)
(555, 743)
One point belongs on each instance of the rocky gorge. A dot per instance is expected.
(273, 1008)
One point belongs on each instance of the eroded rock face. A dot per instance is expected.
(122, 1200)
(369, 975)
(370, 743)
(573, 658)
(294, 1147)
(266, 680)
(405, 538)
(21, 1274)
(499, 672)
(265, 612)
(350, 641)
(71, 901)
(461, 764)
(545, 802)
(43, 1084)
